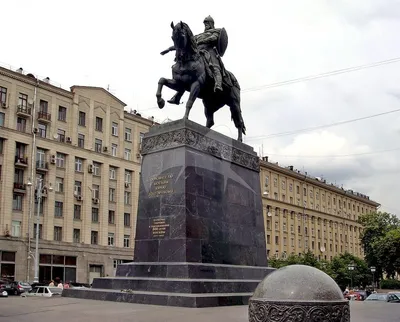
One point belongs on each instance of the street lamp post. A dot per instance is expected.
(373, 270)
(39, 198)
(351, 268)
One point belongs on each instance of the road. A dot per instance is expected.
(61, 309)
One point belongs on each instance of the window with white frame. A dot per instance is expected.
(58, 209)
(128, 134)
(113, 173)
(77, 212)
(127, 240)
(61, 135)
(78, 188)
(59, 184)
(98, 145)
(16, 228)
(111, 195)
(96, 168)
(114, 148)
(111, 217)
(95, 214)
(127, 197)
(96, 191)
(110, 239)
(17, 202)
(77, 235)
(114, 129)
(78, 164)
(60, 160)
(81, 140)
(127, 154)
(128, 176)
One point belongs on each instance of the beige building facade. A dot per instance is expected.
(304, 213)
(83, 149)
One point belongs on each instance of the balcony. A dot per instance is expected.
(44, 117)
(42, 166)
(21, 162)
(24, 111)
(19, 187)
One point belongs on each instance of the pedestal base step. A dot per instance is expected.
(161, 298)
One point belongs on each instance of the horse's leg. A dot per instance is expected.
(209, 113)
(194, 92)
(170, 83)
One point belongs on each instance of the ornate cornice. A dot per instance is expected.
(187, 137)
(280, 311)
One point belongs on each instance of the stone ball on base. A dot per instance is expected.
(298, 293)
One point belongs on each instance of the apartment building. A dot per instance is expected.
(83, 149)
(304, 213)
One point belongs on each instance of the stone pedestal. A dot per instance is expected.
(200, 233)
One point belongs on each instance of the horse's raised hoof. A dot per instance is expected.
(161, 103)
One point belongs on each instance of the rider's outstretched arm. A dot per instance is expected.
(168, 50)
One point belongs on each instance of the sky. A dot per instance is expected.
(117, 44)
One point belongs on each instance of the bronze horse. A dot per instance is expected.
(190, 74)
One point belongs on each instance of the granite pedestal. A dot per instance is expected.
(200, 232)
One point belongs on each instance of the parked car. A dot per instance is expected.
(3, 293)
(5, 286)
(18, 288)
(383, 297)
(43, 291)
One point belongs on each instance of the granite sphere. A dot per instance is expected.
(298, 283)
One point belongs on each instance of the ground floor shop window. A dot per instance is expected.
(57, 268)
(7, 265)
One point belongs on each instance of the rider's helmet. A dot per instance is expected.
(210, 20)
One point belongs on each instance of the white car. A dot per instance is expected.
(44, 291)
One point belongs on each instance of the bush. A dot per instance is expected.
(390, 284)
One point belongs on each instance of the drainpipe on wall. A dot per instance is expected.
(33, 180)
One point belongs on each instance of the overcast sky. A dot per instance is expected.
(117, 44)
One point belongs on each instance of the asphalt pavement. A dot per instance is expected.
(61, 309)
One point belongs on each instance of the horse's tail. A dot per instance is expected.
(236, 112)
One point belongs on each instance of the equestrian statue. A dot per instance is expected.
(199, 70)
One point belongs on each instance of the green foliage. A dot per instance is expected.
(338, 268)
(390, 284)
(381, 241)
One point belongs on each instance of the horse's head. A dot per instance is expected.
(183, 39)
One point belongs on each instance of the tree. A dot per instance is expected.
(379, 240)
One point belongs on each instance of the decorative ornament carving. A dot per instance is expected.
(276, 311)
(187, 137)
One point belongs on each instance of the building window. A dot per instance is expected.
(94, 237)
(95, 214)
(42, 130)
(113, 174)
(7, 265)
(276, 240)
(17, 202)
(1, 145)
(57, 267)
(111, 195)
(127, 220)
(127, 154)
(111, 217)
(114, 148)
(76, 235)
(59, 184)
(141, 136)
(127, 197)
(110, 239)
(114, 129)
(128, 134)
(97, 145)
(78, 164)
(43, 106)
(58, 209)
(275, 182)
(61, 135)
(21, 124)
(60, 160)
(82, 119)
(96, 168)
(126, 241)
(96, 191)
(40, 230)
(62, 113)
(57, 233)
(77, 212)
(290, 187)
(2, 117)
(3, 95)
(16, 228)
(99, 124)
(23, 100)
(81, 141)
(128, 176)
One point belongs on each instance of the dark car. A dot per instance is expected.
(6, 286)
(20, 287)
